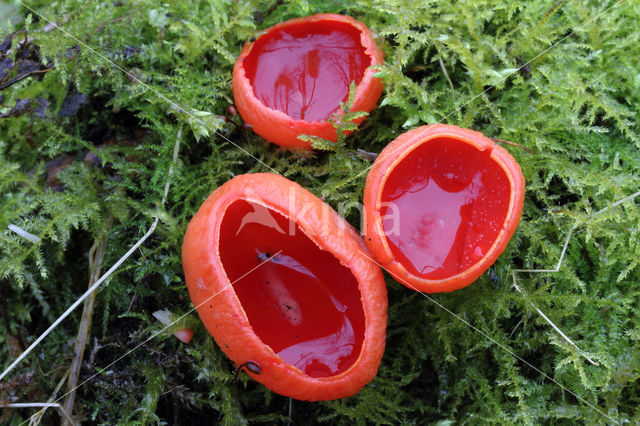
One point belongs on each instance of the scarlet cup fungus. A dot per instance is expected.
(286, 287)
(440, 205)
(292, 78)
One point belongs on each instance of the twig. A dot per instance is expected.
(555, 327)
(5, 82)
(96, 256)
(37, 418)
(24, 234)
(552, 10)
(107, 274)
(511, 143)
(446, 74)
(516, 327)
(559, 264)
(130, 351)
(366, 155)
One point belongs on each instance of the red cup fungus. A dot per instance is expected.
(286, 286)
(292, 78)
(440, 205)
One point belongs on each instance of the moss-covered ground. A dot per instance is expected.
(85, 149)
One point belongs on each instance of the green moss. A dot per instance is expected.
(574, 105)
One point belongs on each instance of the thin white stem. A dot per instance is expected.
(24, 234)
(516, 327)
(555, 327)
(44, 406)
(32, 404)
(35, 419)
(151, 230)
(174, 160)
(560, 260)
(228, 286)
(453, 111)
(75, 304)
(557, 269)
(491, 339)
(111, 270)
(617, 203)
(564, 248)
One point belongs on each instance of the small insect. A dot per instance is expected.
(251, 366)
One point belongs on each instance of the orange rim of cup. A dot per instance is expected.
(278, 127)
(212, 248)
(415, 142)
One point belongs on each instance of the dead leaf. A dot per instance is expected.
(6, 65)
(6, 45)
(40, 110)
(21, 106)
(26, 60)
(14, 346)
(72, 104)
(53, 167)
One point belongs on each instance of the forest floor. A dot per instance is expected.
(95, 95)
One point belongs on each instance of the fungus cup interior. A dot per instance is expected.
(302, 302)
(443, 207)
(305, 68)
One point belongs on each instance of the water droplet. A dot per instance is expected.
(477, 253)
(200, 283)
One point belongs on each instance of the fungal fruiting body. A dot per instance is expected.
(292, 78)
(286, 286)
(440, 205)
